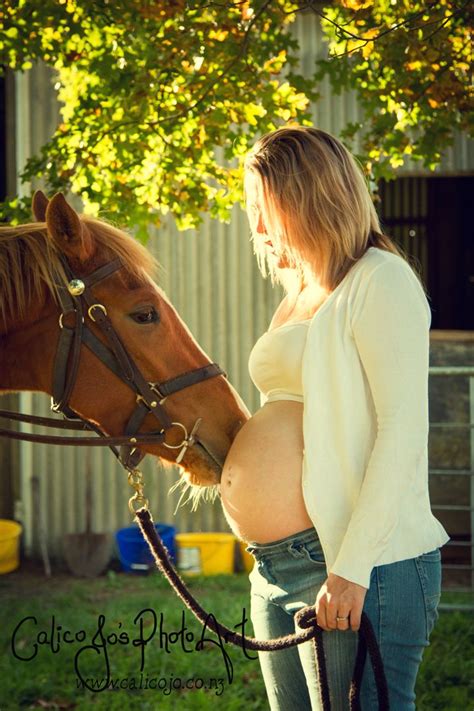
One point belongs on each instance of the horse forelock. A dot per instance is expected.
(29, 260)
(140, 265)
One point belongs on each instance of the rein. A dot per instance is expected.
(78, 303)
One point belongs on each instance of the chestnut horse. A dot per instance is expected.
(154, 336)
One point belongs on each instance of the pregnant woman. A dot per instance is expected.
(328, 482)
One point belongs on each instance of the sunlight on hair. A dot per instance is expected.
(29, 259)
(196, 494)
(315, 203)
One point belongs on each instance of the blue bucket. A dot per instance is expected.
(135, 555)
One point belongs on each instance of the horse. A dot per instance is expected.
(45, 261)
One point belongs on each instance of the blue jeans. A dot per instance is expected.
(401, 603)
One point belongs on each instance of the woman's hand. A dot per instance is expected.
(339, 597)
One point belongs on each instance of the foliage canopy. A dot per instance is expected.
(149, 90)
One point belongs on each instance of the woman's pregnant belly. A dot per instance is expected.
(260, 488)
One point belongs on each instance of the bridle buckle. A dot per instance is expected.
(151, 405)
(155, 388)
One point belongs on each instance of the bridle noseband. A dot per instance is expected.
(77, 301)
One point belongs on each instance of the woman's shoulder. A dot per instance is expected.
(383, 276)
(379, 265)
(375, 256)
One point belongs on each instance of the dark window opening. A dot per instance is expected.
(431, 218)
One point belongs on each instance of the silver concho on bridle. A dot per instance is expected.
(76, 287)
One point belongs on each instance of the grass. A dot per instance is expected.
(49, 679)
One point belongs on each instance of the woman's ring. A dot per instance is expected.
(342, 618)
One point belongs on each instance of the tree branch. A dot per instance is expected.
(365, 40)
(350, 35)
(226, 69)
(184, 112)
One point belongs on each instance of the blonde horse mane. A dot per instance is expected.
(28, 258)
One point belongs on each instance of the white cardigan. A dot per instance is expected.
(365, 419)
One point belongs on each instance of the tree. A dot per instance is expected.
(149, 89)
(410, 64)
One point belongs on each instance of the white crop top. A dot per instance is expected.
(275, 361)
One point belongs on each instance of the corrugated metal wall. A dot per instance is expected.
(211, 277)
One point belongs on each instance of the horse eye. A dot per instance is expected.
(149, 315)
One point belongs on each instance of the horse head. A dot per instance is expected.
(34, 263)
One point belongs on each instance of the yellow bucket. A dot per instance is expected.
(247, 558)
(205, 553)
(10, 532)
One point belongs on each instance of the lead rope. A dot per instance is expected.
(305, 618)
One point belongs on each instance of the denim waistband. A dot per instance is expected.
(309, 534)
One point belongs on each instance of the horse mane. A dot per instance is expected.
(28, 259)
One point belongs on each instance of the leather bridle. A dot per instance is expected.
(78, 303)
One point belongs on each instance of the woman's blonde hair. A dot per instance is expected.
(315, 204)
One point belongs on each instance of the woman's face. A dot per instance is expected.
(253, 192)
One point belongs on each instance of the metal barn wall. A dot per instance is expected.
(211, 277)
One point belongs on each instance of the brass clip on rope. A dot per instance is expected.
(135, 479)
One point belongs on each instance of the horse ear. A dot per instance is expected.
(67, 231)
(39, 204)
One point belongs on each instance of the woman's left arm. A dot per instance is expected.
(390, 325)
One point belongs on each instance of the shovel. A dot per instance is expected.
(87, 554)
